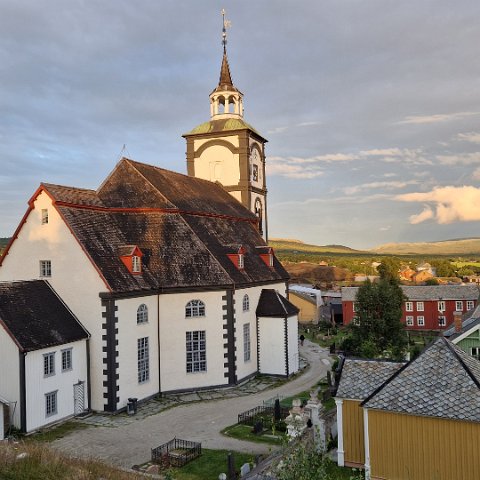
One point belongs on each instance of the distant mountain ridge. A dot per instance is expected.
(299, 246)
(460, 246)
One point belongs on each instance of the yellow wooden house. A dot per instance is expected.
(423, 423)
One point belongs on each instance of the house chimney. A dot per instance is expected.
(457, 321)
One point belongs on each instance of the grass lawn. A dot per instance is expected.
(54, 433)
(244, 432)
(209, 465)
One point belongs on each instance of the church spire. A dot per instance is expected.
(226, 100)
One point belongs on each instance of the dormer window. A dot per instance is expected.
(131, 256)
(44, 216)
(238, 258)
(267, 255)
(136, 264)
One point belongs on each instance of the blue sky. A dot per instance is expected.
(371, 107)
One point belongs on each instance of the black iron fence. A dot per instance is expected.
(176, 452)
(252, 416)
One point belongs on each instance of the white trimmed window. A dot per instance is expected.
(459, 306)
(246, 342)
(142, 314)
(136, 264)
(470, 304)
(66, 359)
(196, 347)
(246, 303)
(195, 308)
(420, 306)
(421, 321)
(143, 360)
(442, 321)
(409, 320)
(44, 216)
(241, 261)
(51, 403)
(48, 364)
(441, 306)
(475, 352)
(409, 306)
(354, 307)
(45, 268)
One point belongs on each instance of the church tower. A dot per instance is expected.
(228, 150)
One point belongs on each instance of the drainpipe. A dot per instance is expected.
(158, 340)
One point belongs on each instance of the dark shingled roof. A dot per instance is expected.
(272, 304)
(35, 316)
(184, 226)
(443, 381)
(470, 321)
(429, 292)
(360, 378)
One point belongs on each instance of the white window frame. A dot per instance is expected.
(67, 359)
(44, 216)
(49, 364)
(142, 314)
(246, 343)
(45, 268)
(442, 321)
(143, 360)
(196, 351)
(420, 306)
(354, 307)
(136, 264)
(459, 305)
(409, 306)
(475, 352)
(409, 320)
(470, 304)
(51, 404)
(420, 320)
(194, 308)
(246, 303)
(441, 305)
(241, 261)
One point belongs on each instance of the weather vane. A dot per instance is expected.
(226, 24)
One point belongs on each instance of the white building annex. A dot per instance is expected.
(165, 271)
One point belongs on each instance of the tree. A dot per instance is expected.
(378, 330)
(389, 268)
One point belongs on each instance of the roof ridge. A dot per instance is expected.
(48, 184)
(460, 359)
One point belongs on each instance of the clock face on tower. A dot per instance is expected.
(255, 160)
(255, 173)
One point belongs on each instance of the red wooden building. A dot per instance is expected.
(426, 308)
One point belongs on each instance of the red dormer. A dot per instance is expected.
(238, 257)
(131, 256)
(266, 254)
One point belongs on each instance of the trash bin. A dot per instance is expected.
(132, 406)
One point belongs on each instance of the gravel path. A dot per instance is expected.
(128, 444)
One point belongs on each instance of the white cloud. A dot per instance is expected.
(392, 185)
(385, 229)
(441, 117)
(425, 214)
(473, 137)
(452, 204)
(476, 174)
(460, 159)
(290, 170)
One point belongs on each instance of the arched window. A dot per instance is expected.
(246, 303)
(195, 308)
(142, 314)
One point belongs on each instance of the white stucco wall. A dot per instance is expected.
(218, 163)
(272, 345)
(128, 334)
(37, 385)
(2, 430)
(173, 328)
(293, 360)
(10, 373)
(73, 276)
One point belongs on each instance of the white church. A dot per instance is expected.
(156, 282)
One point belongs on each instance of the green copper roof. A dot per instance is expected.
(224, 125)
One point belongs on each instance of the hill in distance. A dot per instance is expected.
(461, 246)
(299, 246)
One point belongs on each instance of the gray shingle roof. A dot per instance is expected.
(360, 378)
(470, 320)
(273, 304)
(443, 381)
(428, 292)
